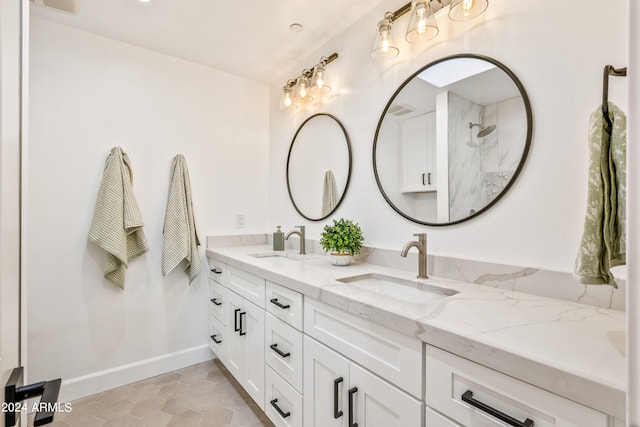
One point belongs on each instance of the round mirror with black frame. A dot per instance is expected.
(319, 166)
(452, 139)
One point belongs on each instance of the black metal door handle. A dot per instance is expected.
(278, 303)
(235, 319)
(275, 348)
(336, 412)
(352, 391)
(215, 301)
(216, 271)
(215, 340)
(423, 179)
(278, 410)
(15, 392)
(242, 332)
(429, 178)
(467, 396)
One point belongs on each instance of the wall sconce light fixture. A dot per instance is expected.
(422, 22)
(302, 89)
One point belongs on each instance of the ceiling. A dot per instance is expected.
(247, 38)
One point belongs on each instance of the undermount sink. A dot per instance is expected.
(279, 255)
(397, 288)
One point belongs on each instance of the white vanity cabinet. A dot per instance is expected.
(340, 393)
(461, 392)
(419, 153)
(245, 356)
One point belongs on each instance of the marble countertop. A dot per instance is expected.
(574, 350)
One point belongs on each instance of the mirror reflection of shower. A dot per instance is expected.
(484, 131)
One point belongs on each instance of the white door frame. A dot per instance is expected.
(13, 59)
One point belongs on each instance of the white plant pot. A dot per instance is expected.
(340, 259)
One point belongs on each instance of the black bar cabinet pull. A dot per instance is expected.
(352, 391)
(235, 320)
(215, 270)
(336, 413)
(423, 179)
(242, 332)
(215, 340)
(429, 178)
(275, 348)
(215, 301)
(278, 303)
(467, 396)
(278, 410)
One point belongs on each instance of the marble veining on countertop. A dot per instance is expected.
(574, 350)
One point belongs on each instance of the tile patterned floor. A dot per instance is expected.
(199, 395)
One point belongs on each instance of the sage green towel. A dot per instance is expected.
(117, 224)
(180, 237)
(603, 242)
(329, 193)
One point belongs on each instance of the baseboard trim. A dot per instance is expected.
(97, 382)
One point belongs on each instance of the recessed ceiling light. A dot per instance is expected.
(296, 28)
(144, 1)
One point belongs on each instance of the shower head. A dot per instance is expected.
(484, 131)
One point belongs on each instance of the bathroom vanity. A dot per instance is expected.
(367, 345)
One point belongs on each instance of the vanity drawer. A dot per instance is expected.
(284, 304)
(218, 304)
(218, 339)
(218, 271)
(247, 285)
(393, 356)
(283, 350)
(449, 378)
(283, 405)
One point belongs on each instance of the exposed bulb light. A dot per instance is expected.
(298, 92)
(383, 46)
(286, 99)
(318, 80)
(422, 24)
(302, 88)
(463, 10)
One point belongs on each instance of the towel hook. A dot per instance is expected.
(609, 70)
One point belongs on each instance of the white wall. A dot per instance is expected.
(88, 94)
(557, 49)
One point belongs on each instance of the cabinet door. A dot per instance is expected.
(245, 355)
(326, 381)
(251, 323)
(418, 153)
(377, 403)
(236, 349)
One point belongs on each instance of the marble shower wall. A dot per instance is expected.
(535, 281)
(480, 168)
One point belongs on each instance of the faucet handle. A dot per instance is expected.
(422, 237)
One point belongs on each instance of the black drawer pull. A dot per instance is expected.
(216, 271)
(235, 320)
(467, 396)
(242, 332)
(423, 180)
(215, 340)
(215, 301)
(352, 391)
(278, 303)
(278, 410)
(336, 412)
(275, 348)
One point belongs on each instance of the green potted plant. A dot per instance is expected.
(341, 240)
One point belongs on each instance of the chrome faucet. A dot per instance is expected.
(301, 235)
(421, 245)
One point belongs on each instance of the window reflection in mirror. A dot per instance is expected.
(318, 166)
(452, 139)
